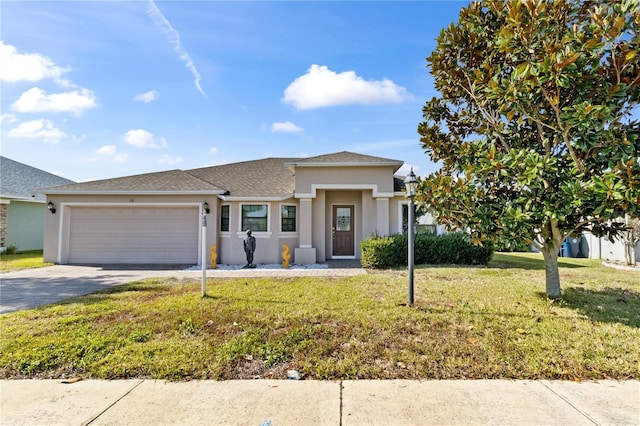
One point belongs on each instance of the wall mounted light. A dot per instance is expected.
(51, 207)
(205, 206)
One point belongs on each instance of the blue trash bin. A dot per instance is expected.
(565, 251)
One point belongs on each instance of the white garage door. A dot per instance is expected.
(133, 235)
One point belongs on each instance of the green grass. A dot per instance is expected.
(467, 322)
(23, 260)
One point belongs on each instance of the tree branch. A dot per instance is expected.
(490, 117)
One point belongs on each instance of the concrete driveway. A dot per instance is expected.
(35, 287)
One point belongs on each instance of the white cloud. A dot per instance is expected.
(320, 87)
(107, 150)
(120, 158)
(11, 118)
(111, 152)
(141, 138)
(213, 151)
(285, 127)
(31, 67)
(38, 129)
(167, 159)
(174, 38)
(37, 100)
(147, 97)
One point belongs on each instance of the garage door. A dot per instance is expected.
(133, 235)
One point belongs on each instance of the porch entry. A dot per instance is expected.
(342, 233)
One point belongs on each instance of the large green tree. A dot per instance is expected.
(536, 125)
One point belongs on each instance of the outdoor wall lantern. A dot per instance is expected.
(205, 206)
(51, 207)
(410, 184)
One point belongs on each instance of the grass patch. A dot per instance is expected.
(469, 322)
(23, 260)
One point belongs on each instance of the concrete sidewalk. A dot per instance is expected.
(282, 402)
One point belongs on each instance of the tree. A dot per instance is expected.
(631, 238)
(536, 126)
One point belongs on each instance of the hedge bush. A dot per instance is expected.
(456, 248)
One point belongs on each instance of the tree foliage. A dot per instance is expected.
(536, 126)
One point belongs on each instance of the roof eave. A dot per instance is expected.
(98, 192)
(346, 164)
(255, 198)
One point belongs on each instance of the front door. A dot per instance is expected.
(342, 231)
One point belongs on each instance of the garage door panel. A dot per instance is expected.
(133, 235)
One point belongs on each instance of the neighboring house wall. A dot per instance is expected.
(601, 248)
(22, 204)
(27, 225)
(3, 223)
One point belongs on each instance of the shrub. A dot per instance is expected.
(11, 249)
(455, 248)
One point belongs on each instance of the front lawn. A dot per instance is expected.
(480, 322)
(23, 260)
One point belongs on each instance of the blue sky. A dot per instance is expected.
(96, 89)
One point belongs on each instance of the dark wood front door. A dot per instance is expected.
(342, 231)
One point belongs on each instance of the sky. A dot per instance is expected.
(98, 89)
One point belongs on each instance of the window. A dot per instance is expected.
(224, 218)
(419, 228)
(254, 217)
(288, 215)
(405, 218)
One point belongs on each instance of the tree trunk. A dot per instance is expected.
(552, 274)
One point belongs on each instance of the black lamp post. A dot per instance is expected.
(410, 184)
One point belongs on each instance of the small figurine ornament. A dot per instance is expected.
(285, 256)
(213, 257)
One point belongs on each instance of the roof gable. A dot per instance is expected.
(344, 158)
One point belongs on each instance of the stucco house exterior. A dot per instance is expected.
(319, 207)
(22, 204)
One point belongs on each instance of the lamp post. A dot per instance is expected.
(203, 253)
(410, 184)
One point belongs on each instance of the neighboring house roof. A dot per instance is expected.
(269, 178)
(20, 181)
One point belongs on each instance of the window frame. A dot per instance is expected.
(266, 217)
(228, 218)
(283, 218)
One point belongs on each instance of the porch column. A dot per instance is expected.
(382, 216)
(306, 253)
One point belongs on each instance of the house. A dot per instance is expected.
(319, 207)
(22, 204)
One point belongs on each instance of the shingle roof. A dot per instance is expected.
(265, 178)
(268, 178)
(345, 158)
(172, 181)
(18, 180)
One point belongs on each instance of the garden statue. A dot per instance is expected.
(285, 256)
(249, 248)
